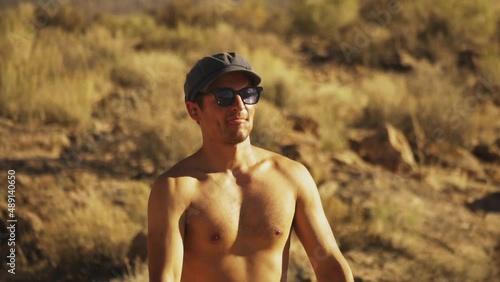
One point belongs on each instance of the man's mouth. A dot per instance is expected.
(236, 121)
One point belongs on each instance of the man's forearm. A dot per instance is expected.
(333, 270)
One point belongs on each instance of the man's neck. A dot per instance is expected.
(223, 157)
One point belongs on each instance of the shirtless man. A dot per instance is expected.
(226, 212)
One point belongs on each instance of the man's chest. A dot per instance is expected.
(242, 217)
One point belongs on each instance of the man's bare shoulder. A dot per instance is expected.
(284, 165)
(179, 179)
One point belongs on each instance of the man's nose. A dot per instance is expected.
(238, 104)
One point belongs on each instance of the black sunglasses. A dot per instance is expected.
(226, 96)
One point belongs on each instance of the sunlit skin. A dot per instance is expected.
(226, 212)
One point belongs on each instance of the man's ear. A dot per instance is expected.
(193, 110)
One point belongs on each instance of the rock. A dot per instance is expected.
(317, 162)
(349, 158)
(304, 124)
(489, 203)
(488, 153)
(452, 156)
(138, 250)
(387, 147)
(305, 147)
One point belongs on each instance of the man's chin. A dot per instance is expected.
(238, 137)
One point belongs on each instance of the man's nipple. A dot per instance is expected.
(215, 238)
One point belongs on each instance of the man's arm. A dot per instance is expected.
(315, 233)
(165, 231)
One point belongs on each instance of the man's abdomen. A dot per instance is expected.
(263, 266)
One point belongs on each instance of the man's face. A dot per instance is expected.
(231, 124)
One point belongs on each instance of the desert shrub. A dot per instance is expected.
(17, 31)
(372, 47)
(165, 133)
(190, 12)
(88, 241)
(127, 76)
(386, 217)
(132, 199)
(138, 273)
(425, 28)
(335, 107)
(163, 76)
(336, 210)
(62, 91)
(129, 26)
(283, 82)
(388, 100)
(429, 101)
(270, 126)
(386, 29)
(181, 39)
(250, 14)
(323, 18)
(169, 144)
(63, 16)
(489, 77)
(441, 105)
(103, 48)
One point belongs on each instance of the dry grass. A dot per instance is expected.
(284, 83)
(139, 273)
(63, 90)
(91, 247)
(489, 77)
(270, 125)
(314, 17)
(143, 59)
(388, 100)
(335, 107)
(159, 109)
(473, 22)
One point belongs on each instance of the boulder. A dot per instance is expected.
(488, 152)
(304, 124)
(488, 203)
(305, 149)
(387, 147)
(452, 156)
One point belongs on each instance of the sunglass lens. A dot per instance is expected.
(250, 95)
(224, 97)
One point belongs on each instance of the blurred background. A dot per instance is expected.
(393, 105)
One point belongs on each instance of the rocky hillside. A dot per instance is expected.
(392, 217)
(394, 109)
